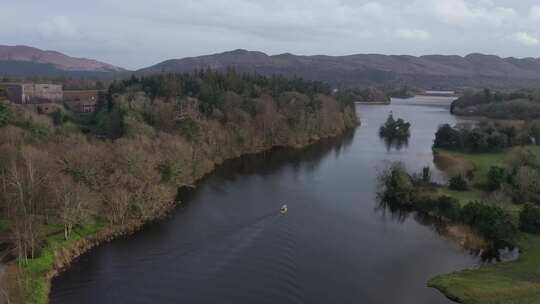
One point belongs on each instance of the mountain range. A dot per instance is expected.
(428, 72)
(25, 61)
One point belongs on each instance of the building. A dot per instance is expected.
(34, 93)
(83, 101)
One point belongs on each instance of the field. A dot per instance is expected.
(515, 282)
(509, 283)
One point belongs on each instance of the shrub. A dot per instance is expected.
(448, 207)
(4, 114)
(458, 183)
(188, 128)
(495, 178)
(59, 117)
(397, 186)
(491, 221)
(529, 219)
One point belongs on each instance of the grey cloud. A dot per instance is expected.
(136, 33)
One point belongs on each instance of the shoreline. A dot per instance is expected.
(364, 103)
(66, 254)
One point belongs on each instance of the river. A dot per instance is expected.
(228, 243)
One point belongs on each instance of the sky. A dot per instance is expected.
(138, 33)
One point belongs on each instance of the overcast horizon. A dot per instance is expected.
(135, 34)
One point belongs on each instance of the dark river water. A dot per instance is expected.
(229, 244)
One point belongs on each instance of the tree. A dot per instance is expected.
(426, 174)
(26, 193)
(491, 221)
(495, 178)
(447, 138)
(395, 129)
(525, 182)
(458, 183)
(397, 188)
(529, 219)
(73, 202)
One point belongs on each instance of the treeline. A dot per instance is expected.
(370, 94)
(523, 105)
(209, 87)
(486, 136)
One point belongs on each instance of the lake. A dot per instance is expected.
(228, 243)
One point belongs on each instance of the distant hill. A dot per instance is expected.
(433, 71)
(363, 70)
(25, 61)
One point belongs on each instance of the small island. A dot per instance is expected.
(395, 129)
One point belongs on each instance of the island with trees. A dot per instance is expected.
(70, 181)
(395, 133)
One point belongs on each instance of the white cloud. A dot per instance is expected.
(534, 13)
(58, 27)
(374, 9)
(465, 13)
(413, 34)
(526, 39)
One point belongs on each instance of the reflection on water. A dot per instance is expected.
(228, 243)
(467, 238)
(396, 143)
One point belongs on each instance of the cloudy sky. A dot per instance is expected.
(138, 33)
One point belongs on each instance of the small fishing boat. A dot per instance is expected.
(283, 209)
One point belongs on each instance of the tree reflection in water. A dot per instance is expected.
(489, 252)
(395, 143)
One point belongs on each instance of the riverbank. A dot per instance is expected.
(502, 283)
(59, 253)
(508, 282)
(373, 103)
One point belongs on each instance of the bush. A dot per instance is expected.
(4, 114)
(458, 183)
(491, 221)
(448, 207)
(529, 219)
(398, 188)
(59, 117)
(495, 178)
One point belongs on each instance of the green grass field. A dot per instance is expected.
(464, 197)
(505, 283)
(509, 283)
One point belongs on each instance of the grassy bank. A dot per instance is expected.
(36, 274)
(512, 282)
(509, 283)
